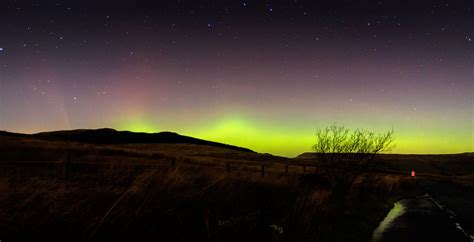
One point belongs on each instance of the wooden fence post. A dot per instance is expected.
(286, 168)
(172, 164)
(263, 170)
(66, 166)
(129, 170)
(228, 167)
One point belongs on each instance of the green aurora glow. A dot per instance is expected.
(242, 75)
(276, 138)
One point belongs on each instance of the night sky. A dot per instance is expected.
(259, 74)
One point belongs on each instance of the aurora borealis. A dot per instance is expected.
(258, 74)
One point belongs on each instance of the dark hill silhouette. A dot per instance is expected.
(111, 136)
(445, 164)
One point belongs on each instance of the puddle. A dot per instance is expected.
(397, 210)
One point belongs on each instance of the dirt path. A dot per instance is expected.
(419, 219)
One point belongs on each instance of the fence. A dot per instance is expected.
(68, 166)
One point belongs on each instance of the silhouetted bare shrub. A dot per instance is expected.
(339, 148)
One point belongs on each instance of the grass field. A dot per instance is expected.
(190, 192)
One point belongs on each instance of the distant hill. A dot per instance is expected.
(312, 155)
(445, 164)
(306, 156)
(111, 136)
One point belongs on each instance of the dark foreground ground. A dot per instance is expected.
(422, 218)
(194, 192)
(457, 201)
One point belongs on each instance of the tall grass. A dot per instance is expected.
(186, 204)
(195, 200)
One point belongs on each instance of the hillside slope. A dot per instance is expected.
(111, 136)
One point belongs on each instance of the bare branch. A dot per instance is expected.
(338, 147)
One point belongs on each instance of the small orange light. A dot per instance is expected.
(413, 173)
